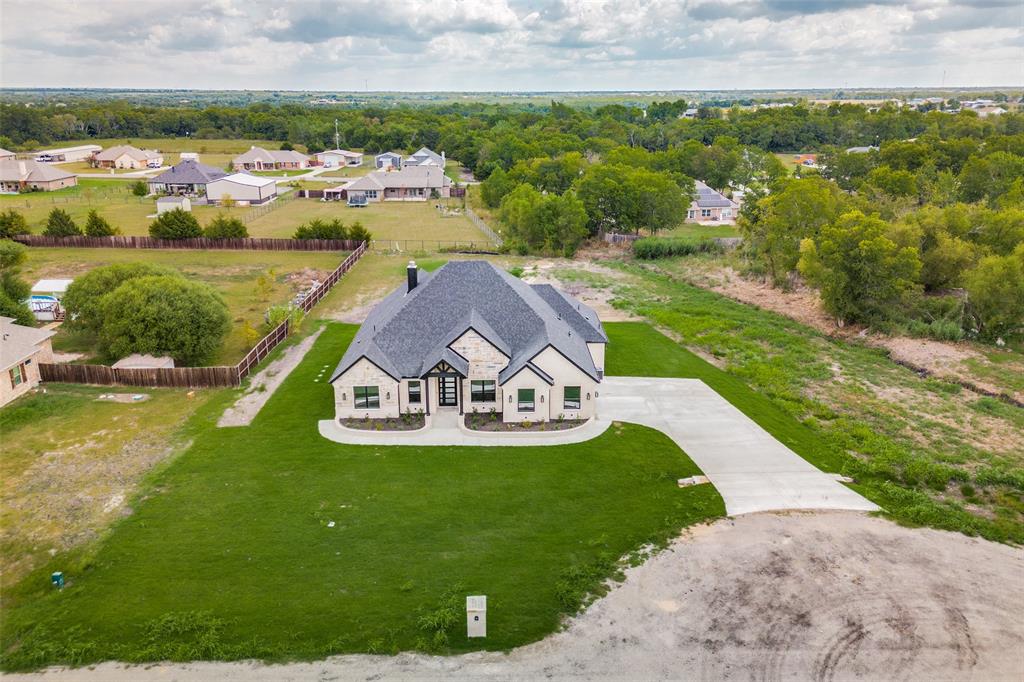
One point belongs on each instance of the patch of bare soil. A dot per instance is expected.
(598, 298)
(124, 397)
(59, 357)
(263, 384)
(941, 359)
(70, 493)
(826, 596)
(303, 280)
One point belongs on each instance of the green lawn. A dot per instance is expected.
(86, 167)
(230, 554)
(233, 273)
(389, 220)
(695, 231)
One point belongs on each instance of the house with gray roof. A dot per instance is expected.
(470, 337)
(415, 183)
(187, 177)
(20, 175)
(711, 206)
(387, 160)
(425, 157)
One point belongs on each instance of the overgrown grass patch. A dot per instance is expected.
(230, 553)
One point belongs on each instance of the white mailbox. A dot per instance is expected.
(476, 616)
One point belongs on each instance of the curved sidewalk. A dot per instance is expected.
(444, 430)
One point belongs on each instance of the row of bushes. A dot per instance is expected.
(650, 248)
(332, 229)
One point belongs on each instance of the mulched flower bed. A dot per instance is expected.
(485, 423)
(409, 422)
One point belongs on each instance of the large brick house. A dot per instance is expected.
(471, 337)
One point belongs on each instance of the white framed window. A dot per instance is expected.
(17, 374)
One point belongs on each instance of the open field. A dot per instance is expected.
(72, 463)
(695, 231)
(86, 167)
(235, 274)
(533, 528)
(926, 450)
(385, 220)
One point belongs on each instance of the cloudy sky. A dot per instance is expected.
(510, 44)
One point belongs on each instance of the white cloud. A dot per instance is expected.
(509, 44)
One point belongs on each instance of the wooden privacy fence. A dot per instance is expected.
(197, 377)
(240, 244)
(439, 245)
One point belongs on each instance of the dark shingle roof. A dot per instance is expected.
(408, 333)
(188, 172)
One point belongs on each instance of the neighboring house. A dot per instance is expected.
(260, 159)
(425, 157)
(19, 175)
(984, 112)
(129, 157)
(21, 351)
(188, 156)
(6, 155)
(809, 160)
(387, 160)
(336, 158)
(689, 113)
(471, 337)
(172, 203)
(711, 206)
(242, 188)
(417, 183)
(82, 152)
(186, 177)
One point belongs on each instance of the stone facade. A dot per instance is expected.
(365, 373)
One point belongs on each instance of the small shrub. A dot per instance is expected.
(176, 224)
(225, 227)
(140, 189)
(12, 223)
(516, 271)
(438, 623)
(359, 233)
(322, 229)
(97, 226)
(60, 224)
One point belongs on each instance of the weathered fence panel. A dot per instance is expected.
(615, 238)
(197, 377)
(239, 244)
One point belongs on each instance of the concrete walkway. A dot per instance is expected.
(444, 428)
(751, 470)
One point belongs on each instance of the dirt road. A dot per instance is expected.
(823, 596)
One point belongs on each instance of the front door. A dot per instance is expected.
(447, 392)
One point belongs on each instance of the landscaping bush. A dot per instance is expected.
(164, 315)
(84, 297)
(13, 289)
(176, 224)
(225, 227)
(60, 224)
(359, 233)
(12, 223)
(650, 248)
(97, 226)
(140, 188)
(322, 229)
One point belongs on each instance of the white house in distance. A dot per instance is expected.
(127, 156)
(387, 160)
(471, 337)
(21, 351)
(425, 157)
(260, 159)
(82, 152)
(242, 188)
(172, 203)
(408, 184)
(711, 206)
(338, 158)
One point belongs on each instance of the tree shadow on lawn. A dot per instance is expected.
(271, 542)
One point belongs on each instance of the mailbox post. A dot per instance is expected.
(476, 616)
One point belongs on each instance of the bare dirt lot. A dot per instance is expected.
(826, 596)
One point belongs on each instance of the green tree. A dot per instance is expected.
(548, 223)
(495, 187)
(322, 229)
(990, 177)
(60, 224)
(140, 188)
(898, 183)
(357, 232)
(84, 297)
(164, 315)
(97, 226)
(943, 265)
(176, 224)
(12, 223)
(14, 291)
(621, 198)
(995, 290)
(774, 229)
(862, 274)
(225, 227)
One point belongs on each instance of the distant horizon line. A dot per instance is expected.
(520, 92)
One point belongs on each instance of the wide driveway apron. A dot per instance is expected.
(752, 471)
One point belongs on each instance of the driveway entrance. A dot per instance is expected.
(751, 470)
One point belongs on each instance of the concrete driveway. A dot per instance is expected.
(751, 470)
